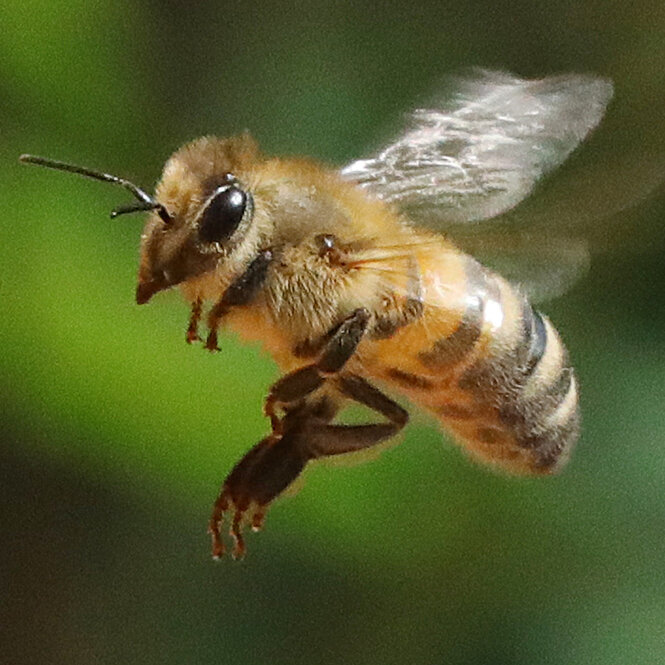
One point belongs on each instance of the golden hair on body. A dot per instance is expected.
(336, 274)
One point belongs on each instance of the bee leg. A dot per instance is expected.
(264, 473)
(362, 391)
(327, 440)
(273, 464)
(240, 292)
(296, 385)
(258, 478)
(192, 334)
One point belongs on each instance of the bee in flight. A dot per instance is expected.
(352, 281)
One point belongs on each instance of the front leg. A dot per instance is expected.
(296, 385)
(241, 291)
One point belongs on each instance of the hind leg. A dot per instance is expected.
(277, 460)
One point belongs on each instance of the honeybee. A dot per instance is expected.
(351, 280)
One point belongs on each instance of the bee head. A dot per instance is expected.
(204, 190)
(201, 210)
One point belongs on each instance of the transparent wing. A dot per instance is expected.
(543, 266)
(483, 150)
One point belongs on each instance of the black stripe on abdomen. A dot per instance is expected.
(453, 349)
(537, 341)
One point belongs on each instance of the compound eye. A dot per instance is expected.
(222, 214)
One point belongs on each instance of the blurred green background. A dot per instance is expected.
(115, 435)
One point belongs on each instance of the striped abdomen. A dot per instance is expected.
(499, 379)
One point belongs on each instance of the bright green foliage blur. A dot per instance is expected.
(116, 436)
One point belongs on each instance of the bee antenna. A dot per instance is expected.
(146, 202)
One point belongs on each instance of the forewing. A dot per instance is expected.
(483, 150)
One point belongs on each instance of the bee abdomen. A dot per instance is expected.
(528, 390)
